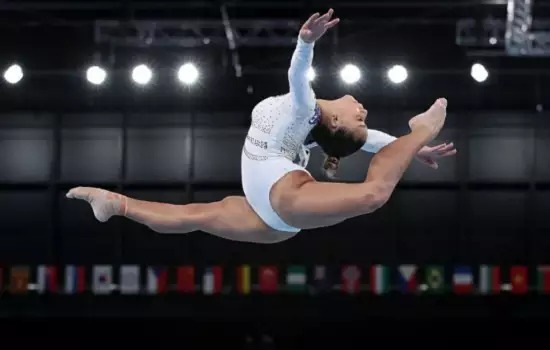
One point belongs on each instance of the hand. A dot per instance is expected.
(428, 155)
(316, 26)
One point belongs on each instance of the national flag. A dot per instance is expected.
(212, 280)
(463, 280)
(46, 279)
(243, 279)
(489, 279)
(268, 279)
(407, 278)
(351, 279)
(379, 279)
(186, 279)
(296, 278)
(518, 279)
(321, 279)
(543, 280)
(435, 278)
(19, 281)
(129, 279)
(157, 280)
(102, 281)
(75, 281)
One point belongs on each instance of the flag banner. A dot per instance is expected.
(157, 280)
(212, 280)
(46, 279)
(322, 279)
(75, 279)
(351, 279)
(243, 279)
(408, 278)
(518, 279)
(435, 279)
(296, 279)
(129, 279)
(186, 279)
(489, 279)
(268, 279)
(19, 280)
(379, 279)
(463, 280)
(102, 282)
(543, 279)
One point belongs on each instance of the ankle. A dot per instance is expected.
(422, 134)
(123, 209)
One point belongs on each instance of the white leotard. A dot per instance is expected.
(277, 140)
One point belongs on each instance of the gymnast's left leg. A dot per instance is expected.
(231, 218)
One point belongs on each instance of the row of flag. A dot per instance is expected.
(269, 279)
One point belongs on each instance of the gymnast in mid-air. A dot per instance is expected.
(281, 198)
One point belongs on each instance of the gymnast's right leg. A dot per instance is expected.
(231, 218)
(305, 203)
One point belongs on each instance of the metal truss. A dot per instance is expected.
(493, 33)
(189, 34)
(193, 4)
(518, 26)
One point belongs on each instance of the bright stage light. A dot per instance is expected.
(142, 74)
(13, 74)
(96, 75)
(188, 73)
(350, 74)
(479, 73)
(397, 74)
(311, 74)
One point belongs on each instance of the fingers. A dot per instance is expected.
(324, 19)
(326, 16)
(332, 23)
(311, 19)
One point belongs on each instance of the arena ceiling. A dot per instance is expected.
(56, 40)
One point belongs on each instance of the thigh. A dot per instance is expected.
(233, 218)
(303, 202)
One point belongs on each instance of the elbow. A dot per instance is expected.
(290, 75)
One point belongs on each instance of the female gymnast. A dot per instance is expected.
(281, 197)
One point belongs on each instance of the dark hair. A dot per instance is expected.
(336, 144)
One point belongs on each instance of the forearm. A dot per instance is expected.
(376, 140)
(297, 73)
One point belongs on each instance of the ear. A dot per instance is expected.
(333, 121)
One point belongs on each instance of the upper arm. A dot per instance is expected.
(300, 89)
(376, 140)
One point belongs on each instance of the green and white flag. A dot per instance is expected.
(379, 279)
(296, 278)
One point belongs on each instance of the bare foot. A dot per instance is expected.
(104, 203)
(432, 120)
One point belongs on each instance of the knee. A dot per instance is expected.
(376, 196)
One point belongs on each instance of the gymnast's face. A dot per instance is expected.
(351, 117)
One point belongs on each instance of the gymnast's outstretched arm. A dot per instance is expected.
(302, 57)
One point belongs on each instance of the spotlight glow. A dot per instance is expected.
(13, 74)
(311, 74)
(96, 75)
(479, 73)
(397, 74)
(142, 74)
(350, 74)
(188, 74)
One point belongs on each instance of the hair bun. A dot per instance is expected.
(330, 166)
